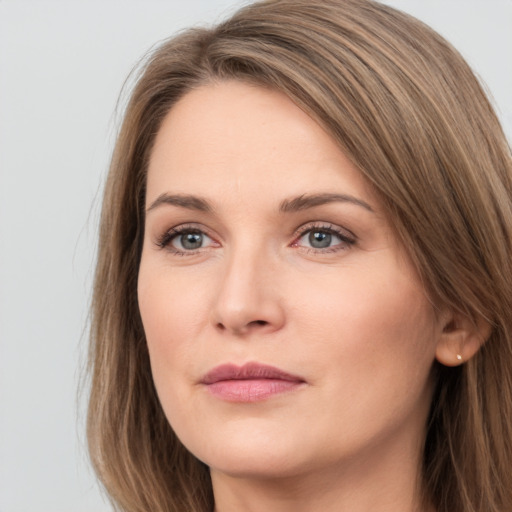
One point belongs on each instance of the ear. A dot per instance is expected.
(461, 339)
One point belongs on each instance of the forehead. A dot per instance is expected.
(231, 138)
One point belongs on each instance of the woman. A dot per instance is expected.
(304, 280)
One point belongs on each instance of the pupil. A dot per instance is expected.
(192, 240)
(319, 239)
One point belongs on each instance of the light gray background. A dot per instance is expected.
(62, 65)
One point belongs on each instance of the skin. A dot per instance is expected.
(351, 319)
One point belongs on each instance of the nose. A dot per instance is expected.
(249, 297)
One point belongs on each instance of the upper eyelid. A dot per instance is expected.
(328, 226)
(164, 238)
(297, 233)
(325, 226)
(189, 226)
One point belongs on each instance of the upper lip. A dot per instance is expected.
(247, 372)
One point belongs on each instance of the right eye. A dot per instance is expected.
(190, 240)
(185, 240)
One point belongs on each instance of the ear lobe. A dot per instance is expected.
(461, 339)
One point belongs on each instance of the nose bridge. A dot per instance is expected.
(247, 295)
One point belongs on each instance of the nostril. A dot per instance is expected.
(242, 328)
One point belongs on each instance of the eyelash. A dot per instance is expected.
(347, 239)
(165, 240)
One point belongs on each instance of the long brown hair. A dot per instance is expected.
(406, 109)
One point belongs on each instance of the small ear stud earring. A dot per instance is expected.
(459, 357)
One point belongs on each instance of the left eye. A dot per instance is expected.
(190, 240)
(323, 238)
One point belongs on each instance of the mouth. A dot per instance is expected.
(252, 382)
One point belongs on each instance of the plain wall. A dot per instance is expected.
(62, 65)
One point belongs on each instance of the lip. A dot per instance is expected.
(252, 382)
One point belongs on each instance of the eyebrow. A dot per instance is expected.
(306, 201)
(302, 202)
(183, 200)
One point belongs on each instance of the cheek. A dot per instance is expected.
(171, 306)
(375, 302)
(375, 323)
(371, 347)
(170, 316)
(170, 319)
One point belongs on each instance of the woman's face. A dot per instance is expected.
(287, 330)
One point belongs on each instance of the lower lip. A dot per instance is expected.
(251, 390)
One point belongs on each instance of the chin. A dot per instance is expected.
(257, 466)
(251, 454)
